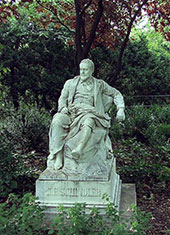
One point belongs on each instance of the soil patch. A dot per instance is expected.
(156, 199)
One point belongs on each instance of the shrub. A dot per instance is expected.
(21, 216)
(141, 144)
(27, 128)
(24, 216)
(76, 221)
(148, 125)
(7, 167)
(21, 132)
(15, 176)
(138, 163)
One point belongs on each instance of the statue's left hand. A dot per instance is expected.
(120, 115)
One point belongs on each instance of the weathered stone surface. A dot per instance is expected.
(78, 136)
(81, 166)
(128, 197)
(54, 189)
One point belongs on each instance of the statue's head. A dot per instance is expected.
(86, 69)
(89, 63)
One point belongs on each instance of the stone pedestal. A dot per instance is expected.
(55, 188)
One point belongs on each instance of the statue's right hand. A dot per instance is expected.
(64, 110)
(72, 108)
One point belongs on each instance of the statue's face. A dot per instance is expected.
(85, 71)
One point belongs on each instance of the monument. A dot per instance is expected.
(81, 166)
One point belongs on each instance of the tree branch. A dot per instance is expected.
(94, 27)
(54, 12)
(82, 13)
(85, 7)
(123, 47)
(78, 35)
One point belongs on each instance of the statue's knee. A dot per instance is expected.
(61, 119)
(89, 122)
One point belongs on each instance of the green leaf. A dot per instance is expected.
(14, 184)
(51, 231)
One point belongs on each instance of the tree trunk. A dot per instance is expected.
(83, 50)
(124, 44)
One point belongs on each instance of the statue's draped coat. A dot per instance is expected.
(98, 150)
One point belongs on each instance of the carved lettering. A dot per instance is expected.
(49, 191)
(74, 192)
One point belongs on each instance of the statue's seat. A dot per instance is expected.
(95, 159)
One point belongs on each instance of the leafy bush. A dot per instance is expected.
(24, 216)
(41, 59)
(140, 164)
(15, 176)
(75, 221)
(27, 128)
(21, 216)
(145, 69)
(21, 132)
(141, 144)
(7, 167)
(148, 125)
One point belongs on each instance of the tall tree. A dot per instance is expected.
(95, 22)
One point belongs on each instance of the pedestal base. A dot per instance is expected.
(54, 189)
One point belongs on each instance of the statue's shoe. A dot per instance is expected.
(50, 163)
(55, 161)
(58, 164)
(76, 154)
(51, 156)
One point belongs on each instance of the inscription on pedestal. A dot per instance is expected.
(53, 192)
(73, 192)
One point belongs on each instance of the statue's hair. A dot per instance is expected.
(89, 62)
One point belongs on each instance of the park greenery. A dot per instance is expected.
(24, 216)
(91, 23)
(32, 70)
(36, 58)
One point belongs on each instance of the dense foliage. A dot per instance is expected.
(145, 69)
(24, 216)
(23, 133)
(141, 145)
(111, 21)
(35, 63)
(30, 68)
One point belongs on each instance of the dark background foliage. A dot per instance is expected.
(35, 63)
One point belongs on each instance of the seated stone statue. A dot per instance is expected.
(78, 136)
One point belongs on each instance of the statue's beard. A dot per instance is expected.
(85, 77)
